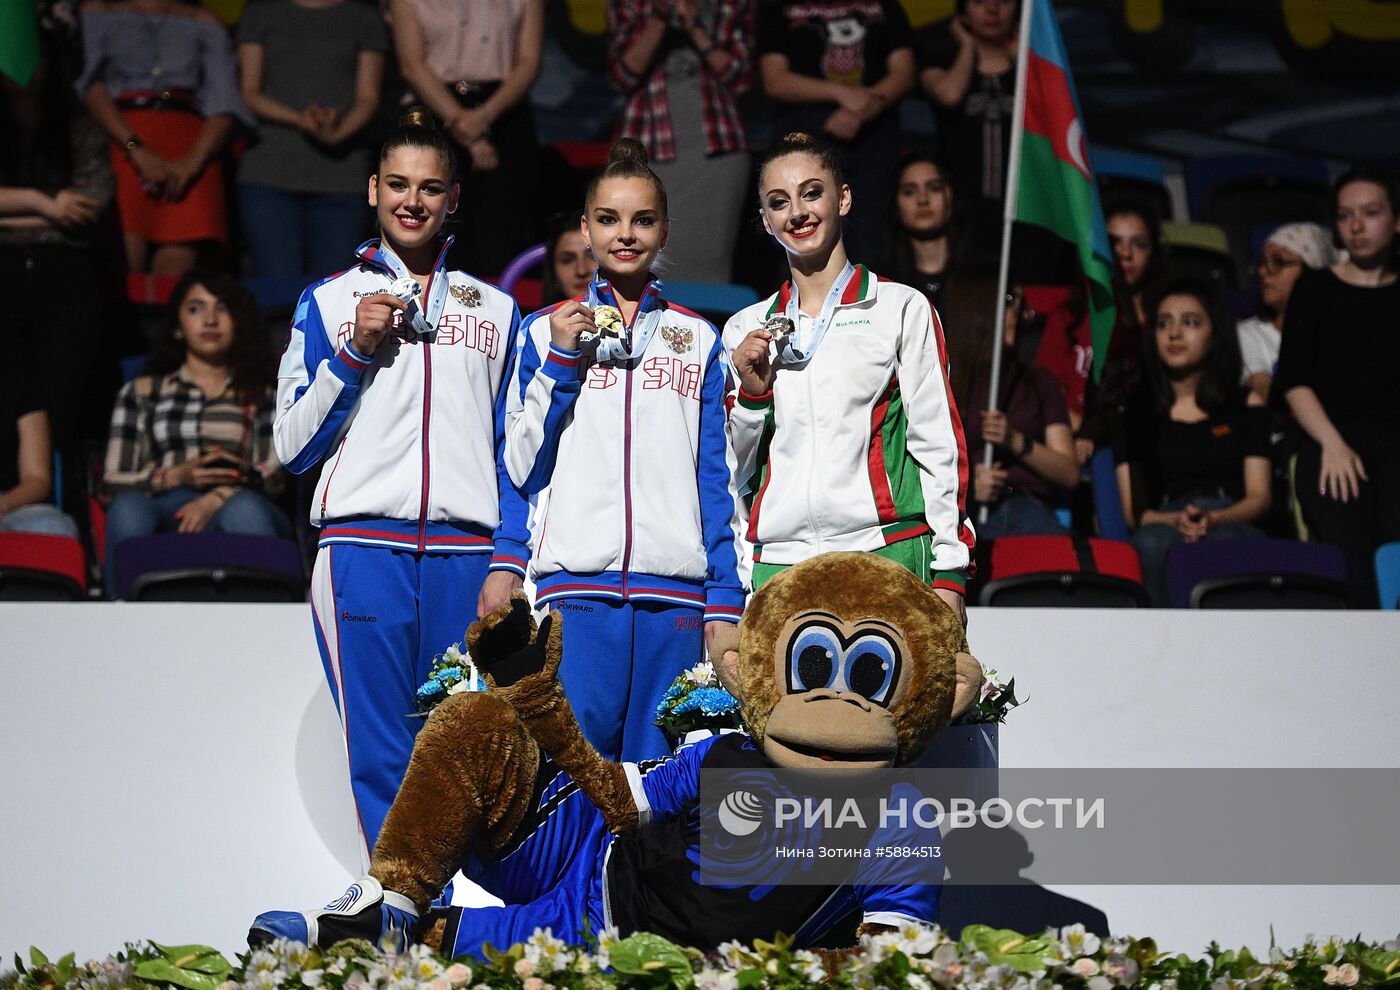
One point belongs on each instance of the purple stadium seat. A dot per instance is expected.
(207, 567)
(1258, 574)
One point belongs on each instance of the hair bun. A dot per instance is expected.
(800, 139)
(417, 116)
(628, 150)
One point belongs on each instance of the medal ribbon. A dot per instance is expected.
(790, 350)
(424, 325)
(634, 339)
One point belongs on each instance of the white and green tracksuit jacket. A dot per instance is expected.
(861, 446)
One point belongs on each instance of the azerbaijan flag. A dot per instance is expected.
(1054, 187)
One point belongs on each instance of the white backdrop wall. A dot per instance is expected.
(169, 771)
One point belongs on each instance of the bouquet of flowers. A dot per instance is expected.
(994, 702)
(696, 700)
(453, 672)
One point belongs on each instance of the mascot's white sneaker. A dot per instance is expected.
(366, 910)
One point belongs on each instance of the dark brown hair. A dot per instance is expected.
(1376, 175)
(627, 159)
(252, 358)
(417, 129)
(897, 248)
(968, 310)
(1219, 384)
(804, 143)
(560, 224)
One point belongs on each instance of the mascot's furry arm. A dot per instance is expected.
(522, 663)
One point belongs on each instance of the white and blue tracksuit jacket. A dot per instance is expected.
(636, 498)
(412, 436)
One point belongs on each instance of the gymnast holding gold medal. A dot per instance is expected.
(615, 426)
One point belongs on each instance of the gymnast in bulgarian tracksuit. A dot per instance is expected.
(843, 421)
(395, 377)
(617, 424)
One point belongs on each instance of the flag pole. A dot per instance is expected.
(1013, 184)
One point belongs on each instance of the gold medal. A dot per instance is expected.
(467, 295)
(608, 320)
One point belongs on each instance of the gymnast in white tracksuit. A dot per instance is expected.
(421, 530)
(623, 440)
(846, 431)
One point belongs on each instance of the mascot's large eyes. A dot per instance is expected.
(814, 659)
(821, 657)
(871, 667)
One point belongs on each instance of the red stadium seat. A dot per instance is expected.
(41, 568)
(1036, 571)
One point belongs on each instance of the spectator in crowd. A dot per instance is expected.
(646, 564)
(1286, 252)
(1193, 450)
(394, 384)
(809, 401)
(1139, 265)
(1339, 372)
(159, 76)
(920, 239)
(839, 69)
(1034, 469)
(311, 71)
(26, 458)
(54, 185)
(568, 264)
(970, 75)
(472, 64)
(681, 65)
(191, 441)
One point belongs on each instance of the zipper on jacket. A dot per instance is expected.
(326, 492)
(812, 460)
(627, 479)
(627, 448)
(427, 473)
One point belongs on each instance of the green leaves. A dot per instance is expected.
(1003, 947)
(654, 958)
(195, 967)
(1379, 967)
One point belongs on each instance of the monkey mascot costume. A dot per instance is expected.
(845, 661)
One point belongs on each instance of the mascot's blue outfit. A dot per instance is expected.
(843, 661)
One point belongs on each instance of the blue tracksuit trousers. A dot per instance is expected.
(619, 659)
(381, 616)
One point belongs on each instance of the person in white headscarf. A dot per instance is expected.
(1285, 253)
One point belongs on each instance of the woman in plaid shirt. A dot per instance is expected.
(681, 64)
(190, 447)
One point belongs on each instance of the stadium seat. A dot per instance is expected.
(1108, 504)
(530, 258)
(208, 567)
(1201, 250)
(150, 290)
(528, 292)
(279, 292)
(1037, 571)
(717, 303)
(1127, 176)
(1240, 192)
(1255, 574)
(1388, 575)
(36, 568)
(583, 155)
